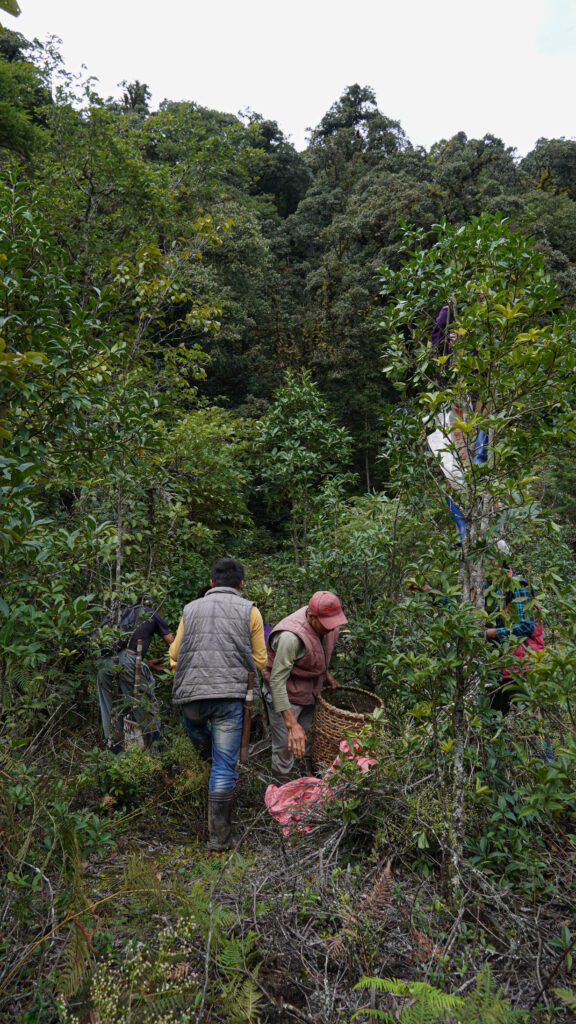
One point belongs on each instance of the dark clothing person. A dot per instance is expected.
(153, 626)
(115, 679)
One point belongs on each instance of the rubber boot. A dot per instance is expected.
(220, 836)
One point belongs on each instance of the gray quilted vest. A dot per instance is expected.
(215, 653)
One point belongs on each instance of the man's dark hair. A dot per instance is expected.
(227, 572)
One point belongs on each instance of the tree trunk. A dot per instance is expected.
(473, 579)
(459, 733)
(367, 456)
(119, 556)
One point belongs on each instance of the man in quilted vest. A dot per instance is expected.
(299, 651)
(220, 640)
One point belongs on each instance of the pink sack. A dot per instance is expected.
(288, 803)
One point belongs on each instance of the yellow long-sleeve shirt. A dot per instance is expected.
(259, 652)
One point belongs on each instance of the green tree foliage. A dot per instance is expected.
(511, 351)
(278, 170)
(98, 471)
(58, 399)
(472, 175)
(11, 6)
(552, 166)
(135, 97)
(367, 180)
(23, 93)
(330, 249)
(301, 447)
(174, 180)
(511, 361)
(353, 129)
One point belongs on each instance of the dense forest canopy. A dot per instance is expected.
(211, 343)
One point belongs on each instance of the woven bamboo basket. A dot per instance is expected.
(337, 713)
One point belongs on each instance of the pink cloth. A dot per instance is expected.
(289, 803)
(530, 643)
(535, 642)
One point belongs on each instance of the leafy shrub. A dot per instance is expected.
(128, 777)
(425, 1004)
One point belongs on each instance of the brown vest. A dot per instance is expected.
(309, 671)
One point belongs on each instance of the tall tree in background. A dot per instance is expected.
(301, 447)
(135, 97)
(278, 170)
(329, 251)
(23, 94)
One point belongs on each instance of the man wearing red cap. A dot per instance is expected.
(299, 651)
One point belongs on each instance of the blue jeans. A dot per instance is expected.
(218, 722)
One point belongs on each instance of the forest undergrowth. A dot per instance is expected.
(115, 913)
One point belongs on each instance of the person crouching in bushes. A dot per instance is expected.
(300, 648)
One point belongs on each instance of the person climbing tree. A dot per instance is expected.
(516, 615)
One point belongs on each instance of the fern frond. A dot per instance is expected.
(425, 1004)
(181, 997)
(566, 996)
(141, 874)
(336, 944)
(428, 1005)
(142, 885)
(414, 989)
(422, 1012)
(392, 985)
(377, 901)
(241, 1002)
(7, 761)
(75, 963)
(487, 1004)
(351, 923)
(210, 916)
(231, 956)
(67, 837)
(388, 1018)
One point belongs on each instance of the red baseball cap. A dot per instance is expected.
(327, 608)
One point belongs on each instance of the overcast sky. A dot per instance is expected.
(502, 66)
